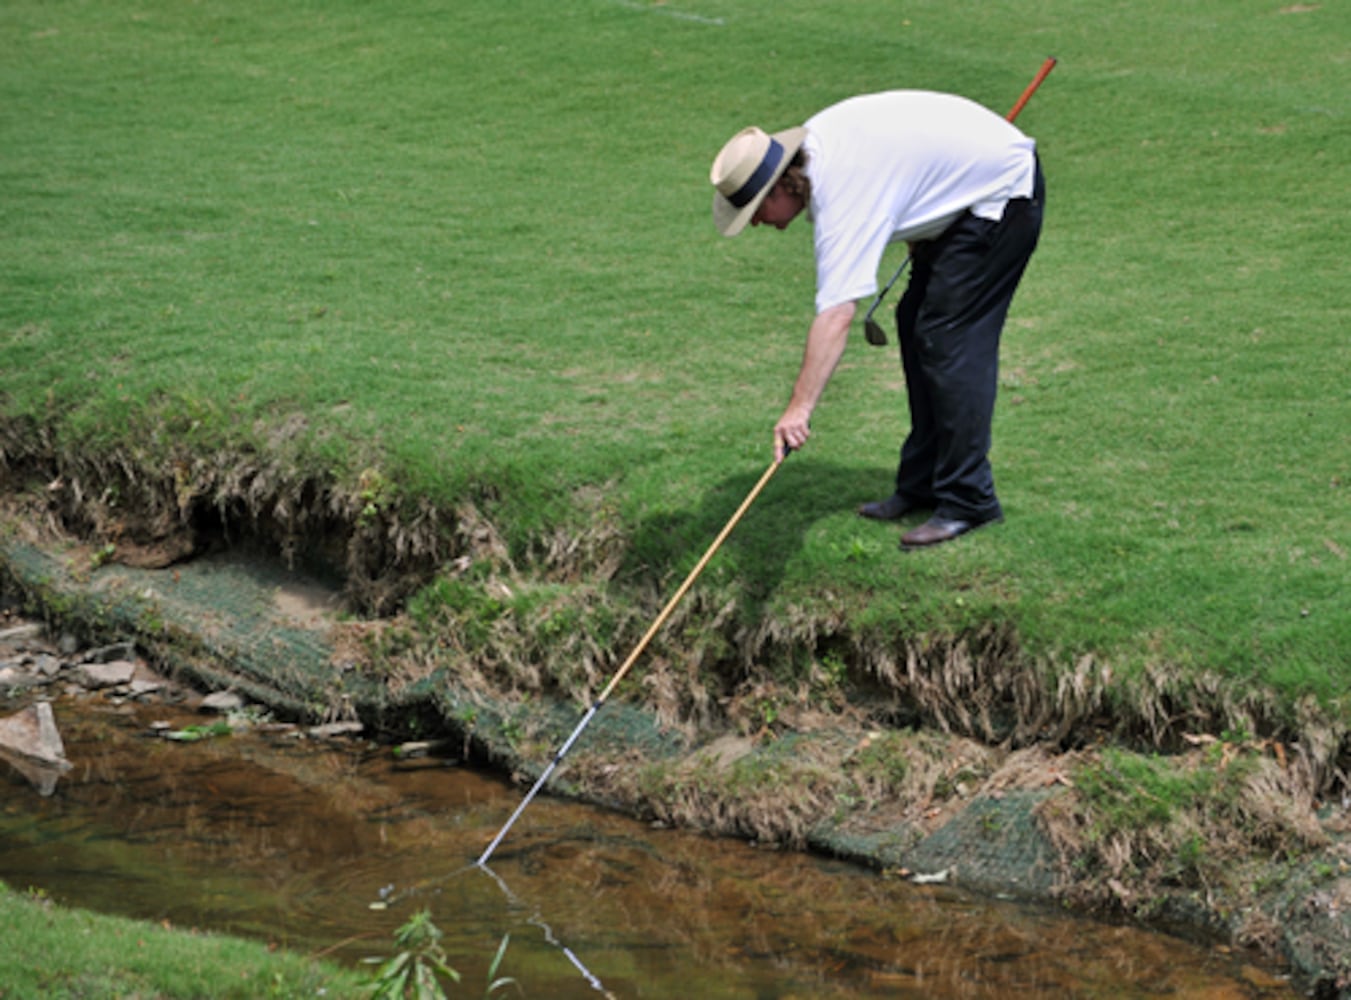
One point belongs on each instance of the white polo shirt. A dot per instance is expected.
(902, 165)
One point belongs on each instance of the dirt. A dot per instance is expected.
(308, 603)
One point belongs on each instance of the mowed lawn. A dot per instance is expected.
(467, 246)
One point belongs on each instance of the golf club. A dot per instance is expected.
(872, 330)
(632, 657)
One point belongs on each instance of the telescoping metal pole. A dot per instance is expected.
(872, 330)
(632, 658)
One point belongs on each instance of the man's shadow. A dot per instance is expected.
(667, 546)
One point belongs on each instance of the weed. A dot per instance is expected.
(834, 668)
(513, 731)
(373, 492)
(191, 734)
(419, 971)
(883, 760)
(496, 982)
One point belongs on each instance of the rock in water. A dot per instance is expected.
(30, 741)
(32, 733)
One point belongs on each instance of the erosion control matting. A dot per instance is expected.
(223, 622)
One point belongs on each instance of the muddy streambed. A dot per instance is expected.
(292, 841)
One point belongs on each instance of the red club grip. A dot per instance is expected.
(1042, 74)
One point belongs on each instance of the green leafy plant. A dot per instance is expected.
(191, 734)
(420, 970)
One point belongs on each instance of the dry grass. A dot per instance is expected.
(1136, 827)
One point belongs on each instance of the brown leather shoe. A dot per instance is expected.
(937, 530)
(893, 508)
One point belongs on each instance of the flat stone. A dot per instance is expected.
(140, 688)
(115, 653)
(21, 632)
(222, 701)
(105, 675)
(333, 729)
(425, 763)
(414, 749)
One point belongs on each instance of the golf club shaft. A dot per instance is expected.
(1031, 89)
(633, 656)
(886, 288)
(1042, 74)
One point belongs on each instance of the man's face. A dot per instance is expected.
(778, 209)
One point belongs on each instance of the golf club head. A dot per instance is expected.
(873, 332)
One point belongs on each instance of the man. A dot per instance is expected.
(963, 187)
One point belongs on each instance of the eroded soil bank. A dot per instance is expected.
(946, 758)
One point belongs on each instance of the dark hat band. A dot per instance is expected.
(747, 192)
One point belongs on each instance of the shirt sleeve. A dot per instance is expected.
(847, 260)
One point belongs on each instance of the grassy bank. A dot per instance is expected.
(54, 953)
(432, 282)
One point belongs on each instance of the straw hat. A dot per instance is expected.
(745, 171)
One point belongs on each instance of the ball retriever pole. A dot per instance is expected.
(872, 330)
(632, 657)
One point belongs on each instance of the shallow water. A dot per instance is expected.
(273, 838)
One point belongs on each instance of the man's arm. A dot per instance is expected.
(826, 341)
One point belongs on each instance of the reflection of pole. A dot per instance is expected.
(535, 920)
(39, 774)
(388, 897)
(633, 656)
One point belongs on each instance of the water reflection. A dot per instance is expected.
(268, 838)
(41, 775)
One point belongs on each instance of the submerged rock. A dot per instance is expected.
(31, 743)
(32, 733)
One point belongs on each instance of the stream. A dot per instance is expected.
(328, 847)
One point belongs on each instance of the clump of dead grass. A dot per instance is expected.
(1137, 827)
(773, 798)
(777, 790)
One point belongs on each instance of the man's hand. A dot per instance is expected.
(791, 432)
(825, 344)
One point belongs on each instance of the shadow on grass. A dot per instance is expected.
(802, 492)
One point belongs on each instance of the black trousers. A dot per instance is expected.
(949, 323)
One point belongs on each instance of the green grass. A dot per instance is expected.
(469, 245)
(102, 956)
